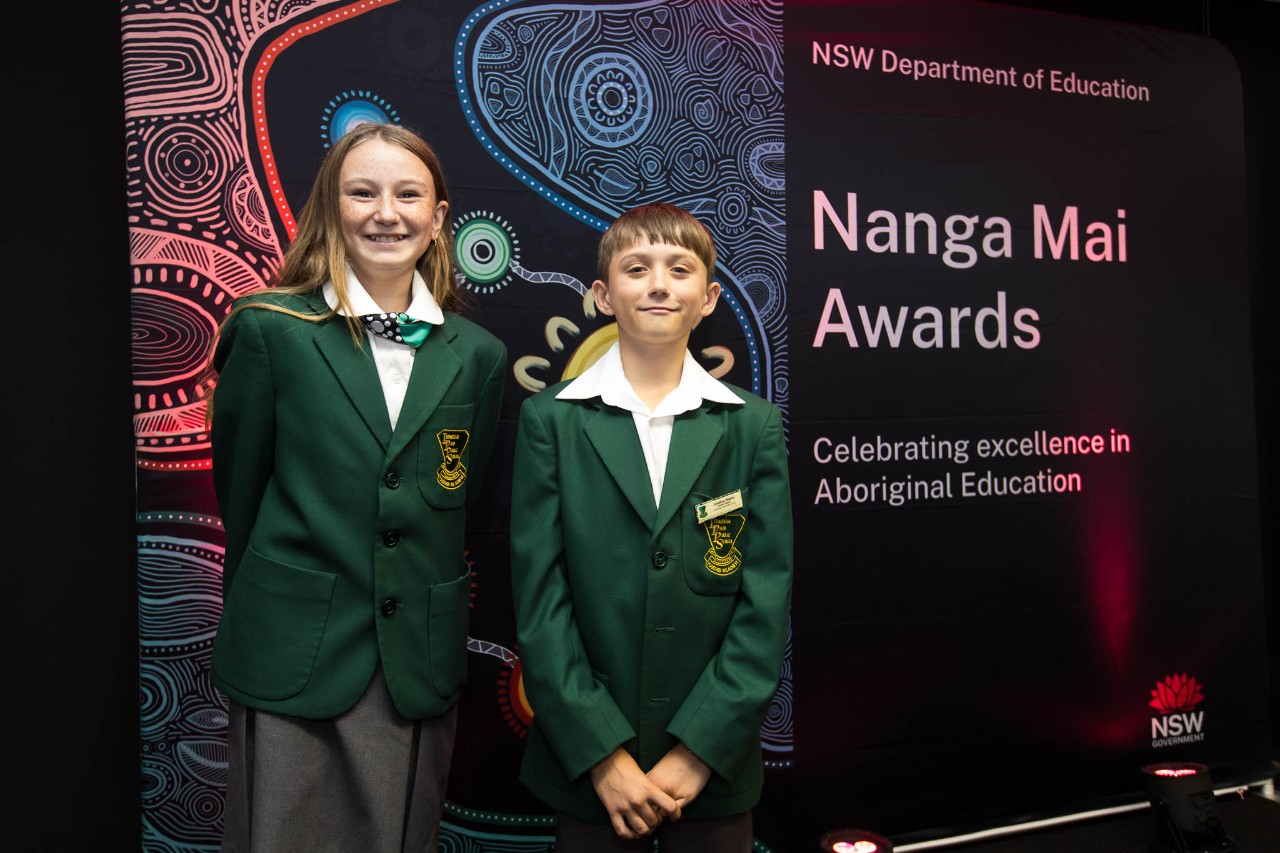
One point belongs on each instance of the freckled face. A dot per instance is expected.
(390, 212)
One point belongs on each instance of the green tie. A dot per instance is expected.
(400, 328)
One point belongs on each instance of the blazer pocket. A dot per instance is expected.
(444, 456)
(272, 623)
(714, 549)
(447, 634)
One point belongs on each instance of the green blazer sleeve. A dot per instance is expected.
(485, 423)
(243, 434)
(720, 720)
(571, 703)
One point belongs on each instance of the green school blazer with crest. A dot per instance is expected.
(641, 624)
(344, 539)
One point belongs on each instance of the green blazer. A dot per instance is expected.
(637, 624)
(344, 540)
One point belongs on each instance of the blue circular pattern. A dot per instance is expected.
(611, 98)
(352, 108)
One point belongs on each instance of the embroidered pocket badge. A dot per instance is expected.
(723, 557)
(452, 473)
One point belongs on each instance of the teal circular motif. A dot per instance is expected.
(483, 250)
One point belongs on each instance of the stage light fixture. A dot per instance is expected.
(854, 841)
(1184, 811)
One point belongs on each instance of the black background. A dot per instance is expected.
(70, 623)
(1002, 635)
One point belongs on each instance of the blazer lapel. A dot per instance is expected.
(693, 437)
(613, 434)
(356, 371)
(435, 367)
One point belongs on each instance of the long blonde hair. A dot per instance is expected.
(317, 253)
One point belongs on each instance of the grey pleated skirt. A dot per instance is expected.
(367, 781)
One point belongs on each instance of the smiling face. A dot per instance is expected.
(390, 212)
(658, 293)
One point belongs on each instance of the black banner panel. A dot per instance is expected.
(1021, 413)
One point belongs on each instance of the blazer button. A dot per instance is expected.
(391, 538)
(388, 607)
(660, 559)
(392, 480)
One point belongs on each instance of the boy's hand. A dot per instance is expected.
(636, 806)
(681, 774)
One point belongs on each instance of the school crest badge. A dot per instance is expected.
(452, 473)
(723, 557)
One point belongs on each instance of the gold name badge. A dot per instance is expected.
(717, 507)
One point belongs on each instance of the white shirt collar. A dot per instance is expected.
(606, 380)
(422, 305)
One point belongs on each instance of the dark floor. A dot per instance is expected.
(1250, 820)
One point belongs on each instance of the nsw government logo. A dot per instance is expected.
(1179, 722)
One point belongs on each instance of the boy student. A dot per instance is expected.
(651, 565)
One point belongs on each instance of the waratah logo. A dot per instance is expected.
(1176, 698)
(1176, 693)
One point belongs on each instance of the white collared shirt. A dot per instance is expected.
(606, 380)
(394, 360)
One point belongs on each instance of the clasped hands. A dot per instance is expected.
(638, 802)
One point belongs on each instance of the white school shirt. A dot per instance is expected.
(393, 360)
(605, 379)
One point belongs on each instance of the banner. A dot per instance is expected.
(1021, 419)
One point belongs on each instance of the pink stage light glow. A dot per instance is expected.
(855, 847)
